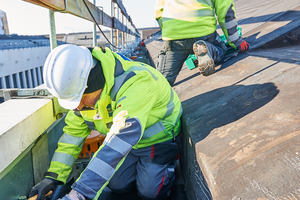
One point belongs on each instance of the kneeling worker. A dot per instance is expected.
(141, 145)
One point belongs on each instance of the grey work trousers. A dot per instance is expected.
(150, 169)
(174, 53)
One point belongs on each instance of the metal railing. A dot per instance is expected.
(88, 11)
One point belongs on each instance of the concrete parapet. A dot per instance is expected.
(22, 122)
(29, 132)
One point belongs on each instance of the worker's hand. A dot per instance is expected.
(73, 195)
(42, 188)
(244, 46)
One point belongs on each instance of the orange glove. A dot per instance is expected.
(244, 46)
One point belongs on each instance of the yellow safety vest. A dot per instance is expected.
(181, 19)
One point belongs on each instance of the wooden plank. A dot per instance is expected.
(77, 8)
(55, 4)
(118, 25)
(107, 20)
(39, 3)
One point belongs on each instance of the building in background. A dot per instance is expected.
(86, 38)
(146, 32)
(3, 24)
(21, 60)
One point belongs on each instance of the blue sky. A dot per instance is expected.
(28, 19)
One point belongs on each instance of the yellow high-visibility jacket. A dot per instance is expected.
(182, 19)
(144, 110)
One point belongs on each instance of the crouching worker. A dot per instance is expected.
(141, 145)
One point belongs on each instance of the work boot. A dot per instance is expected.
(206, 63)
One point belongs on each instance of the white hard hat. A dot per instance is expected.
(66, 71)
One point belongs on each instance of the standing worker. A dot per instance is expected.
(190, 27)
(132, 104)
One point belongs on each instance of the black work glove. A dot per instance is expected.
(42, 188)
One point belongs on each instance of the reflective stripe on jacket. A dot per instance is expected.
(152, 110)
(196, 18)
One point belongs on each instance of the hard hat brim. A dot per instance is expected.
(69, 104)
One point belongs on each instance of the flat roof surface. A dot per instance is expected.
(241, 125)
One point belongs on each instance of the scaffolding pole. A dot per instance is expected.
(53, 42)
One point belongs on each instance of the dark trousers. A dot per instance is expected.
(175, 52)
(150, 169)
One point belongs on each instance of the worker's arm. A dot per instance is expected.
(134, 105)
(227, 19)
(68, 147)
(159, 8)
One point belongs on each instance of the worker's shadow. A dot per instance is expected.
(222, 106)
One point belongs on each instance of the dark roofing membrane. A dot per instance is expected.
(241, 125)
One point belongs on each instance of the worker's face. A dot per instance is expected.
(89, 100)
